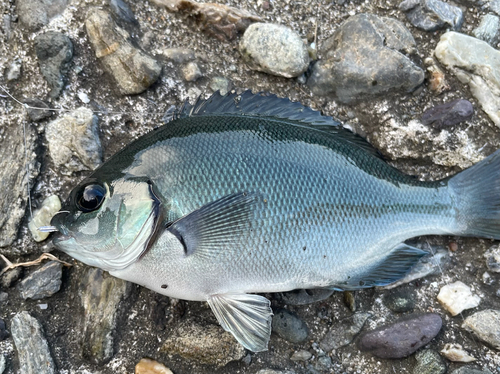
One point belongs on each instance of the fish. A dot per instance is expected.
(245, 194)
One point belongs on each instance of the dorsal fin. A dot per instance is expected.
(269, 105)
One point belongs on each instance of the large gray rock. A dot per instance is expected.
(349, 67)
(37, 13)
(488, 30)
(44, 282)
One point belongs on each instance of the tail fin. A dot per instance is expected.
(477, 192)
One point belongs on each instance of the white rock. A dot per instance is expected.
(455, 352)
(83, 97)
(148, 366)
(456, 297)
(41, 217)
(492, 256)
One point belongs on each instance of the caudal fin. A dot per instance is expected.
(477, 193)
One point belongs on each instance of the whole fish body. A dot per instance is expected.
(247, 193)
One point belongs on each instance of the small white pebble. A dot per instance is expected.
(83, 97)
(455, 352)
(456, 297)
(43, 306)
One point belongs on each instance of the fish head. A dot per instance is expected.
(108, 224)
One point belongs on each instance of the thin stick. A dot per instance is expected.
(44, 256)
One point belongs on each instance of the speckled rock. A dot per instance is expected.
(431, 15)
(486, 326)
(301, 355)
(148, 366)
(221, 84)
(191, 71)
(347, 69)
(456, 297)
(429, 362)
(37, 109)
(401, 338)
(43, 282)
(289, 326)
(32, 348)
(492, 256)
(470, 370)
(488, 30)
(36, 13)
(133, 70)
(274, 49)
(455, 353)
(41, 217)
(344, 333)
(448, 114)
(14, 70)
(208, 344)
(400, 300)
(179, 55)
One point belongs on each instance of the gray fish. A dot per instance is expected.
(244, 194)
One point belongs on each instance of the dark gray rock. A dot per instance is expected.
(488, 30)
(348, 69)
(485, 325)
(4, 334)
(37, 109)
(448, 114)
(11, 277)
(122, 11)
(54, 52)
(401, 338)
(304, 297)
(37, 13)
(32, 348)
(400, 300)
(344, 333)
(431, 15)
(289, 326)
(470, 370)
(42, 283)
(429, 362)
(4, 296)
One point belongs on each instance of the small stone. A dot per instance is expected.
(37, 13)
(148, 366)
(41, 217)
(32, 348)
(191, 71)
(400, 300)
(401, 338)
(73, 140)
(492, 256)
(429, 362)
(305, 297)
(207, 344)
(179, 55)
(3, 330)
(11, 277)
(37, 109)
(437, 79)
(289, 326)
(350, 300)
(431, 15)
(14, 71)
(83, 97)
(54, 51)
(2, 363)
(42, 283)
(301, 355)
(448, 114)
(133, 70)
(122, 11)
(323, 364)
(486, 326)
(43, 306)
(456, 297)
(274, 49)
(469, 370)
(270, 371)
(4, 296)
(488, 30)
(345, 333)
(221, 84)
(487, 279)
(455, 353)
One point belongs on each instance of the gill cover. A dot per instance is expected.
(119, 229)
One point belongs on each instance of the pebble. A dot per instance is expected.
(274, 49)
(400, 300)
(348, 70)
(207, 344)
(431, 15)
(455, 353)
(437, 79)
(4, 296)
(344, 333)
(488, 30)
(122, 11)
(191, 72)
(41, 217)
(133, 70)
(54, 51)
(448, 114)
(43, 282)
(476, 63)
(221, 84)
(289, 326)
(101, 298)
(401, 338)
(301, 355)
(271, 371)
(456, 297)
(4, 334)
(11, 277)
(14, 71)
(32, 349)
(37, 109)
(83, 97)
(485, 325)
(2, 363)
(305, 297)
(179, 55)
(492, 256)
(323, 364)
(148, 366)
(429, 362)
(470, 370)
(37, 13)
(75, 134)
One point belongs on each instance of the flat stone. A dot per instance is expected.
(400, 300)
(347, 69)
(274, 49)
(470, 370)
(148, 366)
(344, 333)
(54, 52)
(43, 282)
(32, 349)
(301, 355)
(431, 15)
(486, 326)
(37, 13)
(289, 326)
(179, 55)
(476, 63)
(455, 353)
(73, 140)
(41, 217)
(488, 30)
(492, 256)
(305, 297)
(429, 362)
(456, 297)
(401, 338)
(37, 109)
(208, 344)
(133, 70)
(101, 298)
(448, 114)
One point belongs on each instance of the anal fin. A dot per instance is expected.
(246, 316)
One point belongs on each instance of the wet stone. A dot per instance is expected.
(274, 49)
(455, 353)
(133, 70)
(456, 297)
(486, 326)
(344, 333)
(401, 338)
(148, 366)
(208, 344)
(400, 300)
(4, 334)
(54, 52)
(42, 283)
(429, 362)
(348, 71)
(122, 11)
(448, 114)
(305, 297)
(488, 30)
(37, 109)
(289, 326)
(492, 256)
(41, 217)
(431, 15)
(32, 348)
(36, 13)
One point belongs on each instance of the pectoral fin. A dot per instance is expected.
(246, 316)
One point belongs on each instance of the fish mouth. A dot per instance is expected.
(61, 232)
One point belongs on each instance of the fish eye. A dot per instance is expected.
(90, 197)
